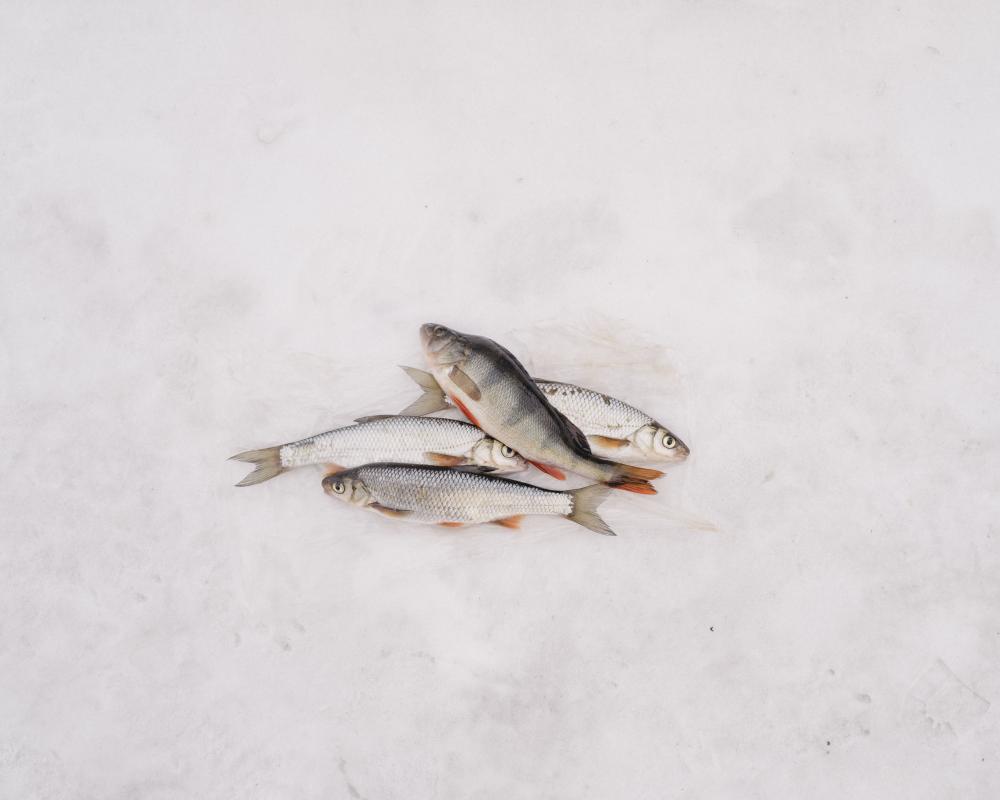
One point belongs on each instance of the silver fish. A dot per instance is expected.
(419, 440)
(494, 391)
(613, 428)
(456, 497)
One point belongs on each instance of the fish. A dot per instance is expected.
(387, 437)
(613, 428)
(455, 497)
(493, 389)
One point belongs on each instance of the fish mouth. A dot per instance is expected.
(439, 341)
(427, 333)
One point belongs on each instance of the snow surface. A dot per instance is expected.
(771, 225)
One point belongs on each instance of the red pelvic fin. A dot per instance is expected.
(461, 407)
(558, 474)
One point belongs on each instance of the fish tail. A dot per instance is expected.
(633, 479)
(433, 399)
(267, 464)
(585, 503)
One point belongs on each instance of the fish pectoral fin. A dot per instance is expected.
(330, 469)
(373, 417)
(510, 522)
(556, 473)
(444, 460)
(451, 524)
(609, 442)
(465, 383)
(397, 513)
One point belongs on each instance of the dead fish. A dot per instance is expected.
(419, 440)
(613, 428)
(494, 391)
(457, 497)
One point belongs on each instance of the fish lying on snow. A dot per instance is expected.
(456, 497)
(614, 429)
(492, 388)
(419, 440)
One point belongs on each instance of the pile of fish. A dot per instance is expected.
(443, 471)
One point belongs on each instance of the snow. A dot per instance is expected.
(771, 226)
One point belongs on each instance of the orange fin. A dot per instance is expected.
(510, 522)
(444, 460)
(451, 524)
(609, 442)
(639, 487)
(634, 479)
(461, 407)
(642, 473)
(331, 469)
(558, 474)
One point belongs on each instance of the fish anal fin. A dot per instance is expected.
(510, 522)
(444, 460)
(465, 383)
(609, 442)
(548, 469)
(451, 524)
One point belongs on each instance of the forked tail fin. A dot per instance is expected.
(634, 479)
(267, 462)
(433, 399)
(585, 503)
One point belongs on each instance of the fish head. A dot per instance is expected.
(657, 443)
(347, 486)
(491, 453)
(443, 346)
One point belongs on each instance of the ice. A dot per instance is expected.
(772, 226)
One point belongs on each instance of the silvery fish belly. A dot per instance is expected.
(492, 388)
(417, 440)
(456, 497)
(614, 429)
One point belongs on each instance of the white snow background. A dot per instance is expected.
(772, 225)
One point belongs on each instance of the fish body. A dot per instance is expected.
(418, 440)
(456, 497)
(614, 429)
(493, 389)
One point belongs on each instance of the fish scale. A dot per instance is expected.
(593, 412)
(418, 440)
(388, 439)
(614, 429)
(437, 495)
(494, 391)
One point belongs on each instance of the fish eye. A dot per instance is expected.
(438, 330)
(338, 487)
(507, 452)
(669, 441)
